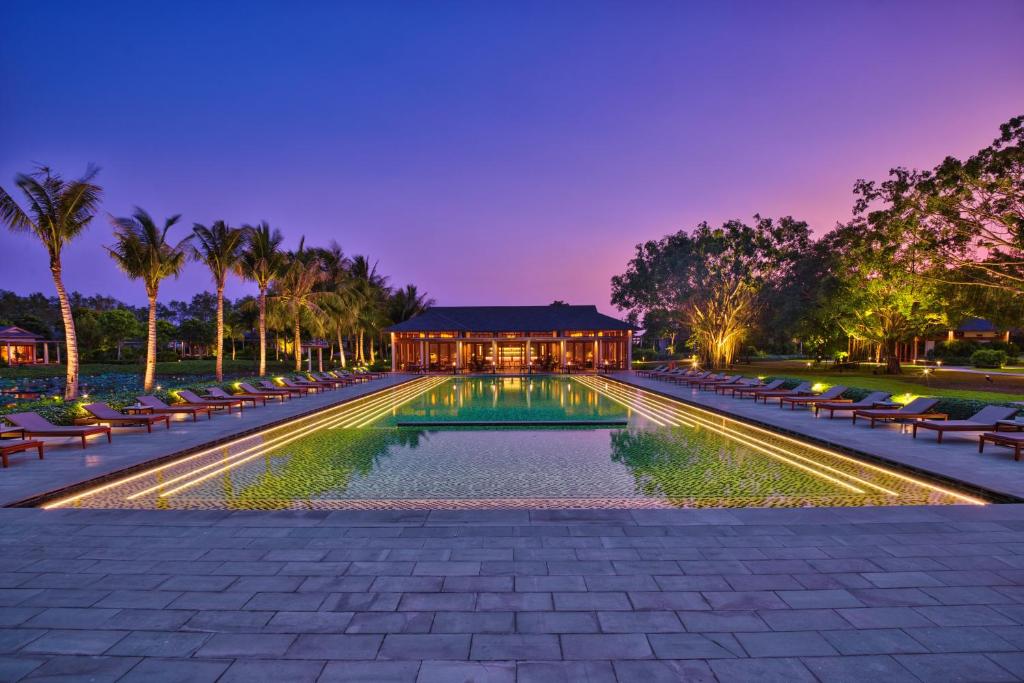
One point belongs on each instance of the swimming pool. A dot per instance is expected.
(513, 442)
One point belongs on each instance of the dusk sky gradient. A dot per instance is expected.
(491, 153)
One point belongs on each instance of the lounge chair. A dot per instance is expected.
(17, 446)
(339, 381)
(729, 387)
(743, 391)
(193, 399)
(802, 389)
(985, 419)
(329, 383)
(32, 424)
(1014, 440)
(293, 390)
(220, 394)
(870, 401)
(831, 394)
(269, 393)
(358, 377)
(712, 383)
(918, 409)
(292, 383)
(104, 413)
(646, 373)
(690, 380)
(157, 406)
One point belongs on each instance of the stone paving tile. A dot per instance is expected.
(607, 611)
(955, 667)
(861, 668)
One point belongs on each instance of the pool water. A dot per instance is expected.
(568, 442)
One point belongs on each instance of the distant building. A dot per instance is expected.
(21, 347)
(977, 330)
(511, 339)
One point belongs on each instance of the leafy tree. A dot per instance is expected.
(117, 326)
(59, 211)
(218, 247)
(712, 278)
(881, 297)
(261, 261)
(142, 251)
(973, 214)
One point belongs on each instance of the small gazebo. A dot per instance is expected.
(21, 347)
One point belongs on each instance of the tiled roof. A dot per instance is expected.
(16, 334)
(509, 319)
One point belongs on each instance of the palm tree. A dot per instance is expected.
(296, 295)
(341, 319)
(408, 303)
(262, 260)
(142, 251)
(59, 211)
(218, 247)
(367, 292)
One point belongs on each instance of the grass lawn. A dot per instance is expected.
(949, 383)
(185, 367)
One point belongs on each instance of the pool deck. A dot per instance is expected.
(824, 594)
(67, 463)
(956, 458)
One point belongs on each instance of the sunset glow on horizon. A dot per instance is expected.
(490, 153)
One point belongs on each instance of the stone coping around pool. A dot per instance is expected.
(38, 498)
(993, 490)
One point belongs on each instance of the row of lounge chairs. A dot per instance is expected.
(875, 407)
(151, 411)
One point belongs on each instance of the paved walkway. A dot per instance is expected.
(955, 458)
(854, 594)
(67, 463)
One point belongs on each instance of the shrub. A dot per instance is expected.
(988, 358)
(958, 348)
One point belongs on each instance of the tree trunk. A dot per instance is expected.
(892, 361)
(150, 375)
(70, 338)
(373, 353)
(262, 303)
(297, 343)
(219, 371)
(341, 349)
(232, 347)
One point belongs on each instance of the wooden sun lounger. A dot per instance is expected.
(269, 393)
(802, 389)
(742, 392)
(191, 398)
(1014, 440)
(646, 373)
(104, 413)
(35, 425)
(155, 405)
(986, 419)
(872, 400)
(294, 390)
(918, 409)
(292, 383)
(724, 389)
(330, 383)
(690, 380)
(219, 394)
(712, 383)
(338, 381)
(17, 446)
(832, 394)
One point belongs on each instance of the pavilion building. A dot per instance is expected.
(21, 347)
(511, 339)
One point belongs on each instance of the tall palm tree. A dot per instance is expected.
(142, 251)
(261, 261)
(296, 296)
(218, 246)
(341, 319)
(367, 293)
(407, 303)
(59, 211)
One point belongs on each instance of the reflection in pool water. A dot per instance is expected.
(669, 455)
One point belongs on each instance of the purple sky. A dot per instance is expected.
(491, 153)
